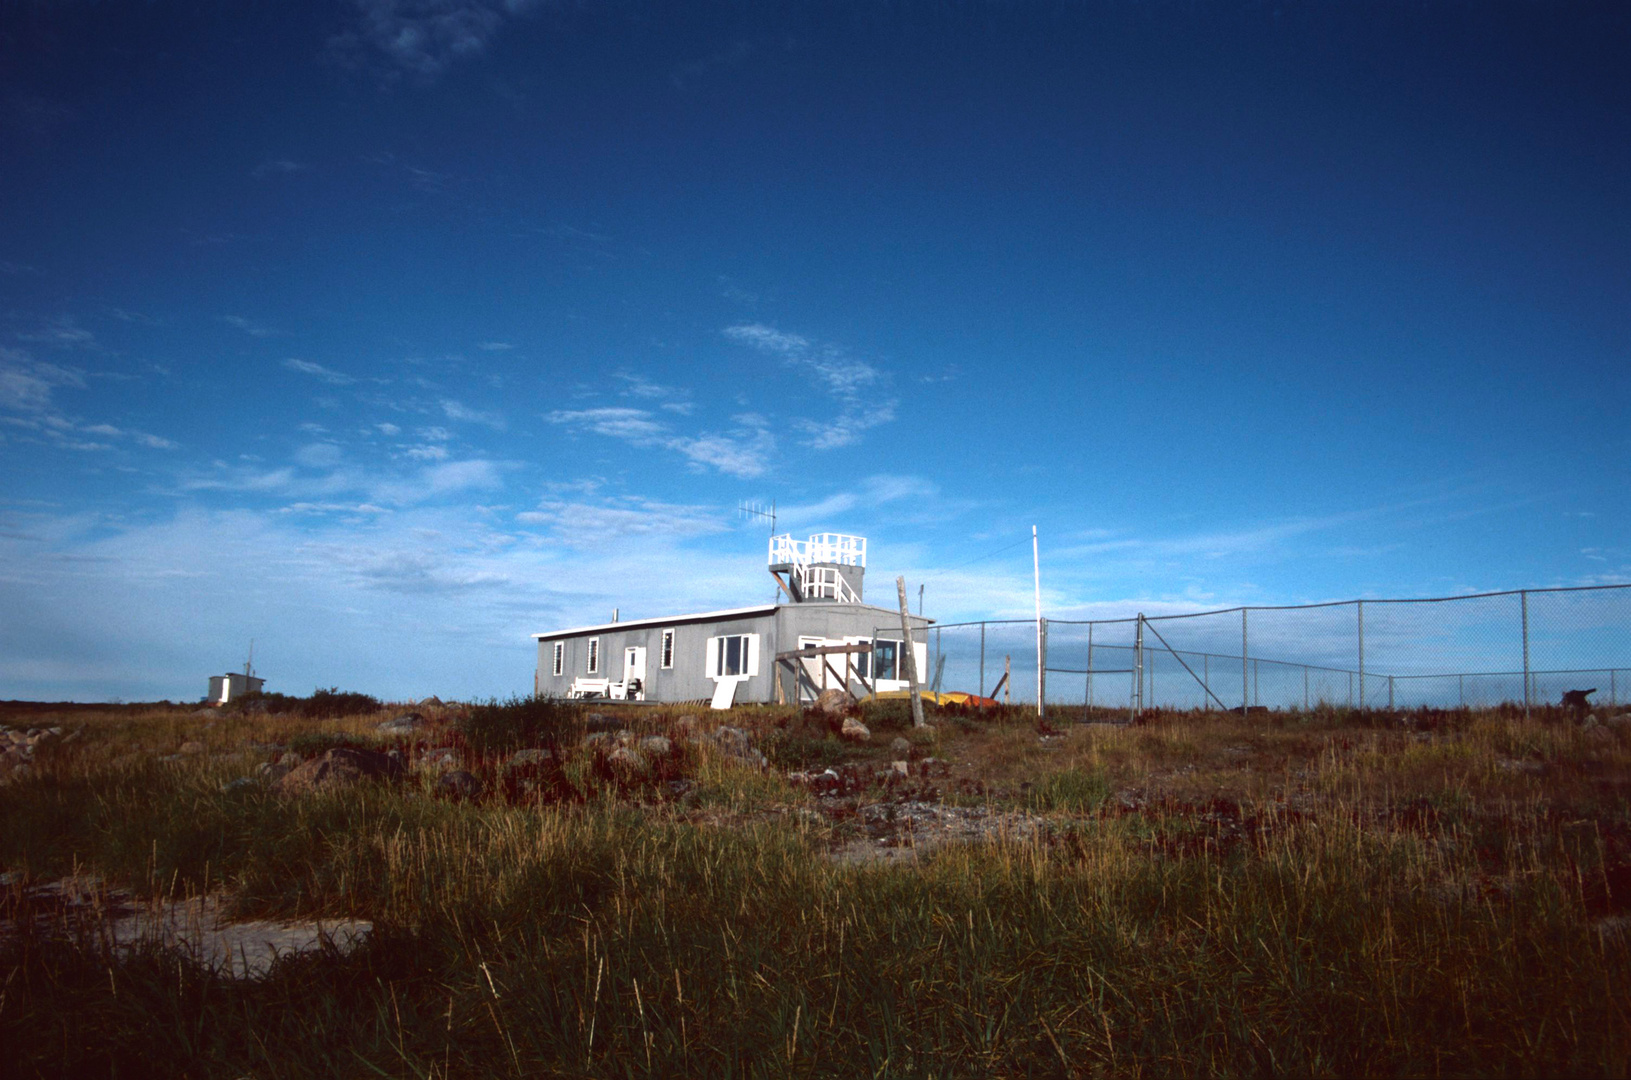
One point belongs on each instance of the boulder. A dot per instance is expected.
(900, 768)
(832, 703)
(627, 760)
(657, 745)
(900, 747)
(459, 784)
(289, 759)
(738, 744)
(854, 730)
(401, 725)
(240, 784)
(600, 722)
(530, 756)
(432, 702)
(193, 747)
(340, 767)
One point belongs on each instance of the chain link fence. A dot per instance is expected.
(1526, 647)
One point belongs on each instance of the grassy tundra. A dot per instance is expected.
(1202, 894)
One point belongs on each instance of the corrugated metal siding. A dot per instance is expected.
(778, 631)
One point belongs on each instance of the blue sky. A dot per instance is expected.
(388, 332)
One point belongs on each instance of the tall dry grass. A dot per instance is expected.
(1397, 905)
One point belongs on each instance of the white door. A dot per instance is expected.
(634, 667)
(812, 673)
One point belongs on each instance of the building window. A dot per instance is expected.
(560, 657)
(668, 649)
(732, 655)
(862, 661)
(886, 659)
(594, 656)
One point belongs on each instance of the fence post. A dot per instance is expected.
(1089, 703)
(1138, 667)
(982, 659)
(1523, 602)
(1305, 688)
(1390, 693)
(1041, 664)
(1257, 669)
(1245, 670)
(1361, 604)
(1461, 690)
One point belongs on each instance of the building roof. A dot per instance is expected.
(706, 616)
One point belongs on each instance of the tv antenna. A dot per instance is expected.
(756, 510)
(249, 665)
(751, 510)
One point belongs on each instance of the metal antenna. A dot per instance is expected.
(755, 509)
(249, 665)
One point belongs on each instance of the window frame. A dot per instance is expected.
(593, 665)
(716, 656)
(558, 666)
(896, 647)
(665, 652)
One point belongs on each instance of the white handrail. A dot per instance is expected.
(840, 548)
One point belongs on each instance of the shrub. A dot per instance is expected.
(333, 703)
(1072, 790)
(501, 726)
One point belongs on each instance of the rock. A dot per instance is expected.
(599, 738)
(832, 703)
(191, 747)
(432, 702)
(240, 784)
(686, 727)
(656, 745)
(341, 767)
(738, 744)
(529, 756)
(401, 725)
(290, 759)
(1597, 735)
(854, 730)
(626, 759)
(598, 722)
(900, 768)
(459, 784)
(900, 747)
(271, 772)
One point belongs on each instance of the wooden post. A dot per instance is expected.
(1007, 670)
(1041, 649)
(911, 654)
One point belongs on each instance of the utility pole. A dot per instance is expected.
(911, 655)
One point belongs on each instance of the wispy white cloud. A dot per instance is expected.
(495, 346)
(278, 167)
(26, 384)
(328, 375)
(424, 37)
(585, 523)
(253, 329)
(743, 451)
(62, 333)
(857, 387)
(456, 410)
(873, 492)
